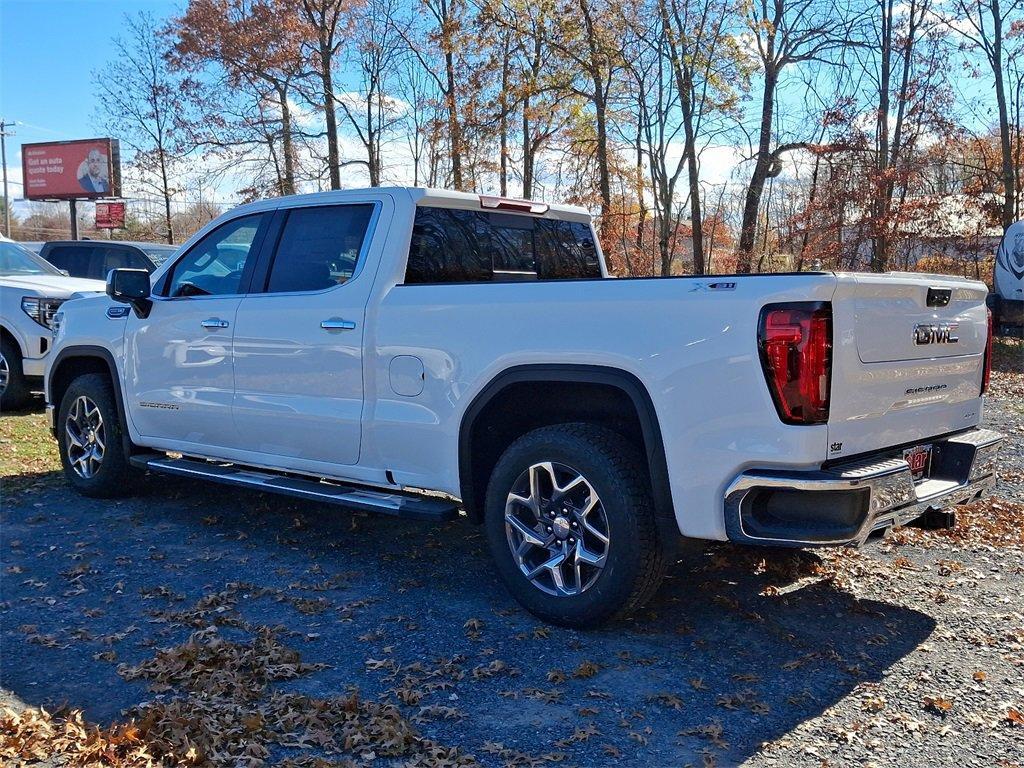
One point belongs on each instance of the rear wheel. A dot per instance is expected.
(90, 437)
(14, 391)
(570, 524)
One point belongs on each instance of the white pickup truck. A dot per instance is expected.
(418, 352)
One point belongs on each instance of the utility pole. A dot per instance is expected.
(4, 126)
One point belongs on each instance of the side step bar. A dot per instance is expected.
(371, 499)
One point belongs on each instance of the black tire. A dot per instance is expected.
(113, 476)
(635, 558)
(17, 392)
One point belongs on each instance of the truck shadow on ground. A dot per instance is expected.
(738, 647)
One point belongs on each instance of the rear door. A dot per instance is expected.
(298, 345)
(908, 356)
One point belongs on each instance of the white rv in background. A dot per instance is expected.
(1008, 283)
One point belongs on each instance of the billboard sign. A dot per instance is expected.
(71, 170)
(110, 214)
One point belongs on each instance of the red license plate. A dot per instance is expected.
(919, 458)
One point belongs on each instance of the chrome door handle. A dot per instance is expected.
(215, 322)
(334, 324)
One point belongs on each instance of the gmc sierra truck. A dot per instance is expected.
(420, 352)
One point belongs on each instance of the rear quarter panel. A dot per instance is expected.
(693, 347)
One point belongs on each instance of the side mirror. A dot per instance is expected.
(130, 286)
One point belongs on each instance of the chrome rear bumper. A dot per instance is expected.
(843, 504)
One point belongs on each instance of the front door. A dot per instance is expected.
(178, 369)
(298, 343)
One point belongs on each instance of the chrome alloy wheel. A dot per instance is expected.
(557, 529)
(86, 437)
(5, 373)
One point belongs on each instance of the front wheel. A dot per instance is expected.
(570, 523)
(14, 390)
(91, 439)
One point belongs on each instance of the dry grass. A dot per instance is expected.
(26, 448)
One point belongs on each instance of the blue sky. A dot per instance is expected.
(48, 52)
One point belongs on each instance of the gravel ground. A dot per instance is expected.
(236, 628)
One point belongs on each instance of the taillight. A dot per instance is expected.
(796, 354)
(987, 370)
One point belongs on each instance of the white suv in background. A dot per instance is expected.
(31, 290)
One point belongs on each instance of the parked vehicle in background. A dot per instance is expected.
(1007, 299)
(33, 245)
(94, 259)
(31, 291)
(364, 347)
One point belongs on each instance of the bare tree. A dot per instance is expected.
(328, 21)
(375, 54)
(984, 24)
(415, 88)
(786, 33)
(532, 81)
(708, 73)
(907, 75)
(446, 35)
(139, 101)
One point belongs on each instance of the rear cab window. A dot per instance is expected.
(464, 246)
(73, 259)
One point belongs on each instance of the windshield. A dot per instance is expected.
(15, 260)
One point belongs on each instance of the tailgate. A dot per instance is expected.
(908, 355)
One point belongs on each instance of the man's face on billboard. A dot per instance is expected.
(95, 163)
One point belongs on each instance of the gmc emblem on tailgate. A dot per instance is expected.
(936, 333)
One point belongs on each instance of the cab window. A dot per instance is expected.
(214, 266)
(319, 247)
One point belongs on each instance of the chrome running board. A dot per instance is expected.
(404, 505)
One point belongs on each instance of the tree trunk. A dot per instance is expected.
(601, 118)
(642, 218)
(528, 158)
(762, 166)
(880, 214)
(454, 129)
(166, 195)
(693, 175)
(287, 147)
(810, 206)
(604, 177)
(684, 83)
(1004, 120)
(665, 231)
(372, 135)
(503, 120)
(330, 115)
